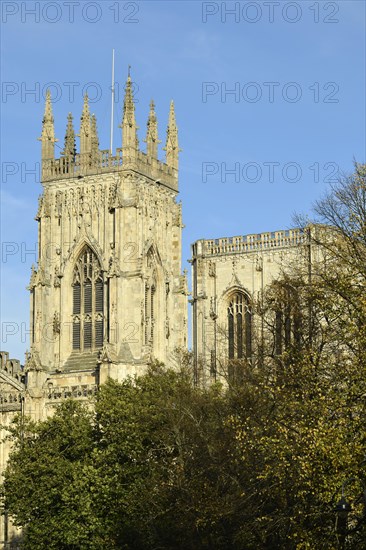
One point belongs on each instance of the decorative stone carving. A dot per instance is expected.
(40, 208)
(107, 354)
(213, 313)
(39, 277)
(33, 362)
(115, 196)
(182, 285)
(57, 277)
(58, 204)
(114, 265)
(66, 392)
(33, 278)
(234, 279)
(212, 269)
(259, 263)
(56, 323)
(46, 203)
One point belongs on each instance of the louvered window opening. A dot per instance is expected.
(287, 323)
(152, 312)
(147, 319)
(149, 310)
(88, 303)
(239, 327)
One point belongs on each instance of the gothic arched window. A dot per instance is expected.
(287, 319)
(88, 302)
(239, 326)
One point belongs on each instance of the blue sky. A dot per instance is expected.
(251, 158)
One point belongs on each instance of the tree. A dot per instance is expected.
(257, 464)
(47, 483)
(149, 467)
(166, 447)
(298, 407)
(306, 428)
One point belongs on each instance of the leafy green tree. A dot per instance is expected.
(48, 481)
(306, 429)
(167, 444)
(149, 467)
(156, 462)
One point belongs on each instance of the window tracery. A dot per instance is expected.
(287, 322)
(88, 302)
(239, 314)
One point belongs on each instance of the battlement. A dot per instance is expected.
(91, 160)
(249, 243)
(103, 162)
(11, 366)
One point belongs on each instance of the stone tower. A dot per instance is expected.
(107, 294)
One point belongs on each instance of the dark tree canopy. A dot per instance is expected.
(157, 463)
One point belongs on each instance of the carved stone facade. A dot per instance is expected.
(228, 276)
(12, 398)
(120, 214)
(108, 294)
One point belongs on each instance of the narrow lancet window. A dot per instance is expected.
(150, 313)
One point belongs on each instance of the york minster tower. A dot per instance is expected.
(107, 295)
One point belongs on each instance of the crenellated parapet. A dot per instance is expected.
(12, 384)
(250, 243)
(11, 366)
(104, 163)
(90, 160)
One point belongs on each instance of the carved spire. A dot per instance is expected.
(129, 127)
(172, 146)
(94, 139)
(85, 128)
(152, 139)
(69, 147)
(48, 131)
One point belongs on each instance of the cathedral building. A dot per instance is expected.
(230, 275)
(108, 295)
